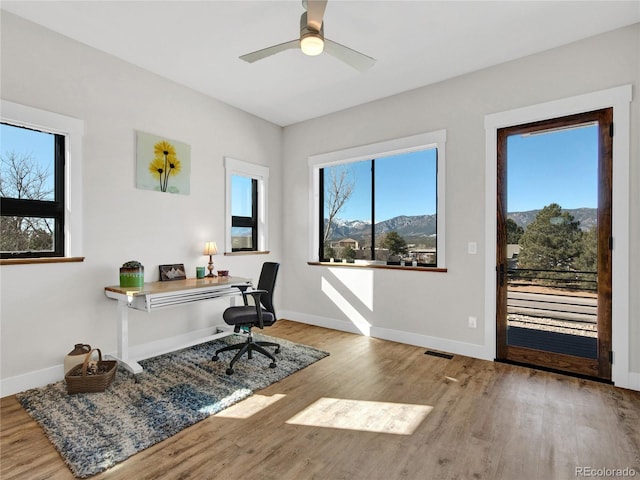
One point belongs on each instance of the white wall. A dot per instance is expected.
(46, 308)
(428, 308)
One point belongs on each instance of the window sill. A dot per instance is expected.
(29, 261)
(246, 252)
(386, 267)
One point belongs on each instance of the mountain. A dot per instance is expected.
(415, 228)
(586, 216)
(409, 227)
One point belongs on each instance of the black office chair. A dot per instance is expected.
(260, 315)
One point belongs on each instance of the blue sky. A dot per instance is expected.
(37, 144)
(559, 166)
(405, 185)
(241, 196)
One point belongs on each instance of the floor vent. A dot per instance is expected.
(448, 356)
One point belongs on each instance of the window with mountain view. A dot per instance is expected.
(383, 209)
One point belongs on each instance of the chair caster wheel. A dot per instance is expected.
(229, 371)
(215, 358)
(277, 351)
(272, 365)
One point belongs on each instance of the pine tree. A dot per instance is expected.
(514, 232)
(395, 243)
(348, 252)
(588, 259)
(553, 241)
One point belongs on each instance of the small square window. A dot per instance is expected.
(31, 193)
(40, 183)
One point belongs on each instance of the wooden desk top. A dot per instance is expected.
(177, 285)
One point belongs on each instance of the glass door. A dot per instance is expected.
(554, 244)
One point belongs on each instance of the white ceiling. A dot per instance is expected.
(416, 43)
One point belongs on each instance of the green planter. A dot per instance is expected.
(132, 275)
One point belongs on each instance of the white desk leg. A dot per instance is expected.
(123, 339)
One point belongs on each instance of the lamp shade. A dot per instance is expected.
(210, 248)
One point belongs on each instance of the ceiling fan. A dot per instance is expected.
(313, 42)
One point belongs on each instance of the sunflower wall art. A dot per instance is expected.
(162, 165)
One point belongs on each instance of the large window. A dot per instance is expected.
(36, 182)
(246, 188)
(381, 204)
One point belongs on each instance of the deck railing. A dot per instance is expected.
(564, 280)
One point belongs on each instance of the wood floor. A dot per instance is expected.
(485, 421)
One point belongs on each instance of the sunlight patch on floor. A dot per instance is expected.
(367, 416)
(250, 406)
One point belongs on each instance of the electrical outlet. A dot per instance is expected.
(473, 322)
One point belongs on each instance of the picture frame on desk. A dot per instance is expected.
(175, 271)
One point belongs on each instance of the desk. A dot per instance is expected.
(158, 295)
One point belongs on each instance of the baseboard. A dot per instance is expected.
(631, 379)
(318, 321)
(39, 378)
(400, 336)
(435, 343)
(634, 381)
(165, 345)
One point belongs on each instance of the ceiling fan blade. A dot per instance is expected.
(266, 52)
(315, 13)
(357, 60)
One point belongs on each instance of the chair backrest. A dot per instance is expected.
(268, 282)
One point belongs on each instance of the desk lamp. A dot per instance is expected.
(210, 248)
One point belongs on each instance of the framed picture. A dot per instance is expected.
(172, 272)
(162, 164)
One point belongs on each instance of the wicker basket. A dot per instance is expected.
(78, 381)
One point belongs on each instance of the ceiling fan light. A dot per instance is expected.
(312, 45)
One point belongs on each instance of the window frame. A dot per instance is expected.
(620, 99)
(69, 184)
(260, 181)
(248, 222)
(436, 139)
(44, 209)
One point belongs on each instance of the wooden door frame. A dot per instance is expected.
(620, 99)
(601, 366)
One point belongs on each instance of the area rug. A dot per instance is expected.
(94, 431)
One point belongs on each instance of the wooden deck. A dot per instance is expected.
(484, 420)
(561, 307)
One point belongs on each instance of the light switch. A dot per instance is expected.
(472, 248)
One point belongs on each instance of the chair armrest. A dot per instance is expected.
(243, 290)
(256, 294)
